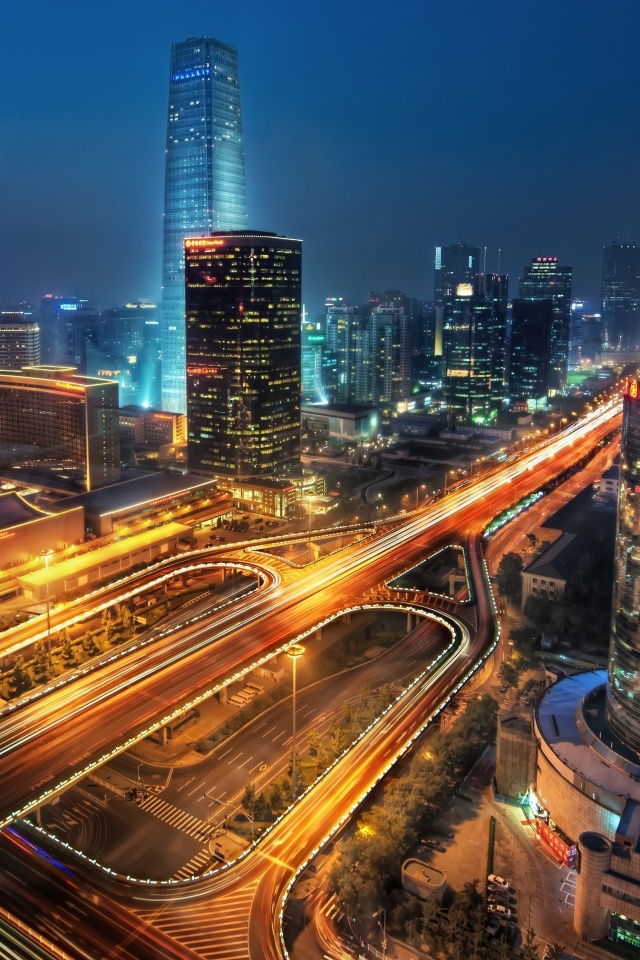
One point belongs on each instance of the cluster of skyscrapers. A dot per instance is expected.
(229, 345)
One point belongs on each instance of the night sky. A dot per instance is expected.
(372, 131)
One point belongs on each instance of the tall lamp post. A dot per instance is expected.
(384, 929)
(294, 651)
(46, 554)
(419, 487)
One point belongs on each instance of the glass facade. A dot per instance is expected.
(621, 295)
(243, 312)
(204, 181)
(69, 422)
(545, 279)
(623, 692)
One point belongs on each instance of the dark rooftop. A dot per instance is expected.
(122, 496)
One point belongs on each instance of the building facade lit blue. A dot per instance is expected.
(623, 691)
(204, 181)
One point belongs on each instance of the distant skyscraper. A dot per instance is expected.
(530, 354)
(544, 279)
(621, 295)
(204, 181)
(243, 306)
(390, 345)
(312, 350)
(575, 334)
(474, 348)
(19, 341)
(455, 264)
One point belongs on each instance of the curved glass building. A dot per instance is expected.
(204, 181)
(623, 692)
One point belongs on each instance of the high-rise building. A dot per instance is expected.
(19, 341)
(312, 350)
(474, 348)
(243, 310)
(575, 334)
(204, 181)
(621, 295)
(68, 330)
(623, 690)
(591, 338)
(390, 346)
(67, 422)
(341, 323)
(456, 264)
(545, 279)
(530, 353)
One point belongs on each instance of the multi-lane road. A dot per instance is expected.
(54, 740)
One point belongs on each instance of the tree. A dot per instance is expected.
(40, 656)
(533, 540)
(249, 798)
(66, 645)
(322, 759)
(107, 623)
(337, 736)
(509, 673)
(19, 675)
(126, 617)
(276, 799)
(314, 742)
(509, 576)
(386, 695)
(539, 611)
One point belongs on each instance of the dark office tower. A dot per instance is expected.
(591, 337)
(575, 334)
(621, 295)
(204, 181)
(530, 355)
(243, 311)
(456, 264)
(67, 325)
(623, 689)
(19, 341)
(493, 294)
(390, 350)
(544, 279)
(473, 343)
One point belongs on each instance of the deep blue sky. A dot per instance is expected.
(372, 131)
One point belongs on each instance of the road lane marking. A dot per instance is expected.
(190, 780)
(268, 856)
(248, 760)
(221, 755)
(233, 759)
(269, 731)
(195, 789)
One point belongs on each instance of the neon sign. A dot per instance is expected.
(631, 389)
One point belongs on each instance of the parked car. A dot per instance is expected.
(499, 881)
(500, 910)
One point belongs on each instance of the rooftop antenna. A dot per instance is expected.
(484, 265)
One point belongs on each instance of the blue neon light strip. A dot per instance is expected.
(190, 74)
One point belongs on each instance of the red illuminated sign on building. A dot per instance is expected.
(204, 242)
(562, 850)
(631, 389)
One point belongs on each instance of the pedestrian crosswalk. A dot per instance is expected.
(198, 864)
(214, 929)
(176, 817)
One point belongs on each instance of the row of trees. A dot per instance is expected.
(367, 873)
(321, 750)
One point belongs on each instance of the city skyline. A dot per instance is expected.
(541, 163)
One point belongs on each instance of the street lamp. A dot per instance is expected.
(384, 928)
(419, 487)
(294, 651)
(46, 554)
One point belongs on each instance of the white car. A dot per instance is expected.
(499, 882)
(500, 911)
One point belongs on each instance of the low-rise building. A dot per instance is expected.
(547, 575)
(423, 880)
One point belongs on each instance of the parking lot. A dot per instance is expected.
(542, 891)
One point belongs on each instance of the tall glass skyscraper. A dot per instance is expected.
(204, 181)
(621, 295)
(623, 691)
